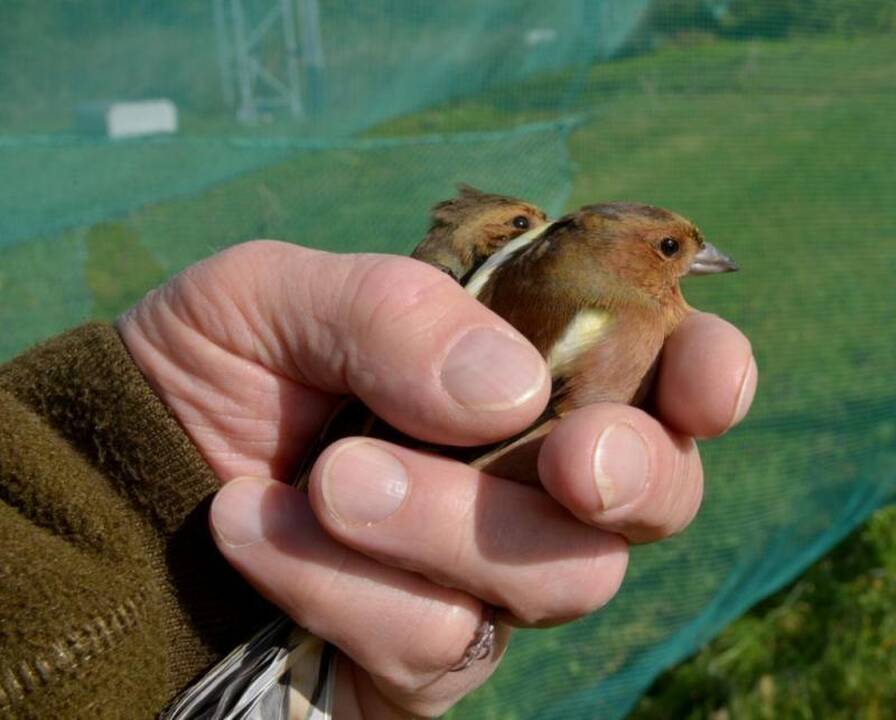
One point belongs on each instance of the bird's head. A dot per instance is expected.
(477, 214)
(610, 255)
(647, 248)
(470, 227)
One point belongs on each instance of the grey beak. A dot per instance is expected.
(709, 260)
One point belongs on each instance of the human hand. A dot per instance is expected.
(251, 349)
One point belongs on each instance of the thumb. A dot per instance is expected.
(412, 344)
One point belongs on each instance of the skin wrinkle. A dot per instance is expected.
(167, 339)
(174, 371)
(204, 309)
(192, 307)
(457, 553)
(231, 439)
(264, 332)
(204, 401)
(679, 488)
(199, 316)
(279, 339)
(577, 589)
(748, 371)
(228, 423)
(439, 609)
(299, 595)
(466, 518)
(694, 470)
(224, 418)
(514, 595)
(326, 328)
(227, 320)
(363, 311)
(390, 309)
(420, 635)
(253, 261)
(199, 413)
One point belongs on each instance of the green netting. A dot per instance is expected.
(769, 123)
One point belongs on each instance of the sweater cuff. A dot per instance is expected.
(85, 384)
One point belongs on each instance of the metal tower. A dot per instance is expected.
(270, 55)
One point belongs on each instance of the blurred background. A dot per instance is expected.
(139, 136)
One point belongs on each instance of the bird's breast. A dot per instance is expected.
(613, 368)
(584, 330)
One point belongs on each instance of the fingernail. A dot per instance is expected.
(363, 485)
(746, 392)
(236, 512)
(488, 370)
(621, 465)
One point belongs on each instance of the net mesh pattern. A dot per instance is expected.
(338, 124)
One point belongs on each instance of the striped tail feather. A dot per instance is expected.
(282, 673)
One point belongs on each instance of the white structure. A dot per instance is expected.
(251, 85)
(128, 119)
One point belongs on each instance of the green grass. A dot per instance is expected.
(784, 153)
(823, 647)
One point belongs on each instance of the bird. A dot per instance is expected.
(466, 230)
(597, 292)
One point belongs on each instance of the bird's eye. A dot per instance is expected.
(669, 246)
(521, 222)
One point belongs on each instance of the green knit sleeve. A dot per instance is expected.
(112, 595)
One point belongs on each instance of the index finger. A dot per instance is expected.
(707, 377)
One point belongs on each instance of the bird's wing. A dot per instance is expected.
(517, 458)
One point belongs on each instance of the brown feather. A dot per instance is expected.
(604, 258)
(469, 228)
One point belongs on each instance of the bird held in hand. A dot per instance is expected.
(597, 292)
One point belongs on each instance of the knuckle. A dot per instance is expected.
(393, 292)
(689, 488)
(394, 304)
(434, 643)
(577, 589)
(303, 601)
(675, 496)
(603, 576)
(449, 633)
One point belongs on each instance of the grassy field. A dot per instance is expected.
(784, 153)
(824, 647)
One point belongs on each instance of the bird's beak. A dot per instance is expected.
(710, 260)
